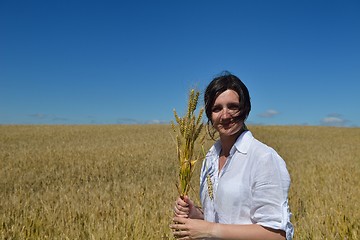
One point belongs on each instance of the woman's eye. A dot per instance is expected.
(216, 109)
(234, 107)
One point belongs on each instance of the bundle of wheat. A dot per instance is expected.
(188, 140)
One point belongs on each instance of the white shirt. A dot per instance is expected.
(252, 187)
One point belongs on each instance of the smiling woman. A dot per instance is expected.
(227, 97)
(243, 183)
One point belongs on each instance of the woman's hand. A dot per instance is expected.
(182, 207)
(186, 228)
(185, 208)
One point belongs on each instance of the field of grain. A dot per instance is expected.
(118, 181)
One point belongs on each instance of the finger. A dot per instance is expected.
(188, 201)
(181, 202)
(178, 227)
(182, 238)
(179, 213)
(181, 216)
(180, 220)
(182, 208)
(179, 234)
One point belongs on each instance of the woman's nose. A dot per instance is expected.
(225, 114)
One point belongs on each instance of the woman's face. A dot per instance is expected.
(224, 113)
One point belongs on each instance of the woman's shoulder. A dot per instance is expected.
(263, 151)
(257, 146)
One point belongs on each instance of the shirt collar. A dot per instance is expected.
(243, 142)
(217, 148)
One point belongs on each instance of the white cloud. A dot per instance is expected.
(334, 119)
(269, 113)
(156, 121)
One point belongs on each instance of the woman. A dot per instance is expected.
(243, 183)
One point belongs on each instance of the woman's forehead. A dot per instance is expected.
(228, 95)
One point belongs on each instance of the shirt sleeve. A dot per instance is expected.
(271, 182)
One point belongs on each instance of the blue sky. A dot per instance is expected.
(109, 62)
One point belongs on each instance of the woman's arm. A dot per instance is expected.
(251, 231)
(195, 229)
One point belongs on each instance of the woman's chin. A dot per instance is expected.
(229, 130)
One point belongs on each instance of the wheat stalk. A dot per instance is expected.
(188, 130)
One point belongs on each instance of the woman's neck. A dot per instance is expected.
(227, 142)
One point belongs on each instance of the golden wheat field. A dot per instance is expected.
(118, 181)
